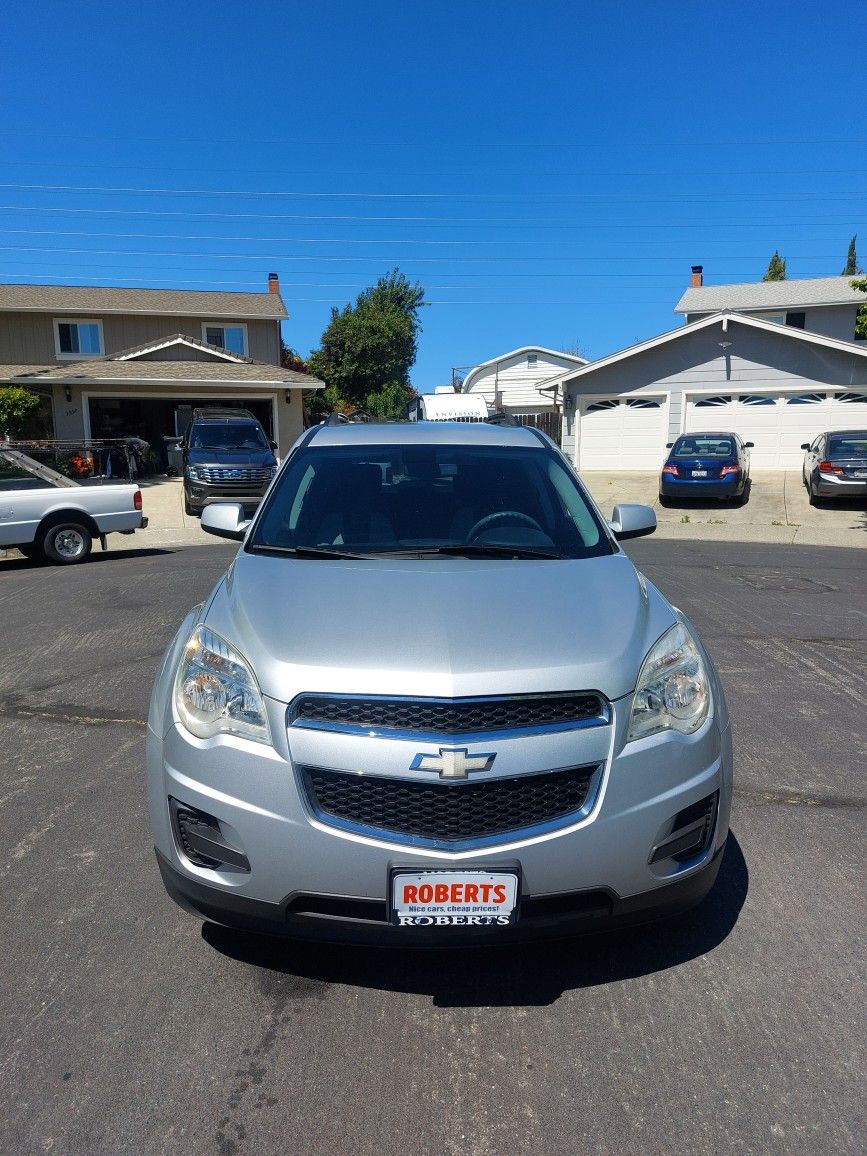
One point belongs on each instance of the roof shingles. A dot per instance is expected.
(106, 299)
(770, 295)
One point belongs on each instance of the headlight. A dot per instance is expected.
(672, 692)
(216, 691)
(192, 473)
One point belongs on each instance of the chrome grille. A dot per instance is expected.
(239, 474)
(449, 717)
(447, 814)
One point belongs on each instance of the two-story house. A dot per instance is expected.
(827, 305)
(776, 362)
(134, 362)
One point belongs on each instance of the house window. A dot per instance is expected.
(595, 406)
(805, 399)
(852, 398)
(78, 338)
(756, 399)
(710, 402)
(777, 318)
(643, 403)
(532, 359)
(232, 338)
(796, 320)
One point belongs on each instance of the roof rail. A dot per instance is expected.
(335, 418)
(502, 418)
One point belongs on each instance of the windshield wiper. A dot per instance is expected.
(476, 550)
(305, 551)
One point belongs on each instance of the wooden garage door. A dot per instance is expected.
(622, 433)
(777, 422)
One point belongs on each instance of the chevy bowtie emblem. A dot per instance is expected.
(452, 762)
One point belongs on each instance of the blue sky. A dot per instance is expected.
(549, 171)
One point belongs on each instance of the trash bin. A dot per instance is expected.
(175, 459)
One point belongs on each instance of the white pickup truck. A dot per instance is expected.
(49, 517)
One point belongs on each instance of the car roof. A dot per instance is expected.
(706, 434)
(835, 433)
(427, 433)
(224, 415)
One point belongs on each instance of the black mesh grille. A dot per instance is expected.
(443, 814)
(449, 717)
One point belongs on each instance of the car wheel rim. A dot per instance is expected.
(69, 544)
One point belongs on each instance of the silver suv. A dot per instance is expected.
(432, 699)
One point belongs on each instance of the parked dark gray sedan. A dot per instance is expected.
(835, 465)
(433, 698)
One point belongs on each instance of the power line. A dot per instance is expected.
(409, 241)
(488, 222)
(379, 259)
(571, 198)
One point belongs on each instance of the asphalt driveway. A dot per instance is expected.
(129, 1028)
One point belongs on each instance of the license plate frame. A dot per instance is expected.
(433, 917)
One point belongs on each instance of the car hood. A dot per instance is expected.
(239, 458)
(441, 627)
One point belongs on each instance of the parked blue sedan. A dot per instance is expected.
(706, 465)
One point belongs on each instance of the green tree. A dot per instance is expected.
(17, 407)
(368, 349)
(776, 268)
(291, 359)
(851, 268)
(861, 315)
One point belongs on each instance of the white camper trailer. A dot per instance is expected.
(449, 406)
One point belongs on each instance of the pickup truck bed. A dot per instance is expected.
(51, 518)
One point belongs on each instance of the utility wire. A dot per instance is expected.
(410, 241)
(488, 222)
(544, 198)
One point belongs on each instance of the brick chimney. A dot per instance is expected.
(273, 283)
(696, 280)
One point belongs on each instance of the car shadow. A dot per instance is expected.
(15, 561)
(530, 974)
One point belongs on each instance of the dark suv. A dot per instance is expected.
(227, 457)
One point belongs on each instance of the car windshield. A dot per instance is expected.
(238, 436)
(850, 445)
(703, 447)
(499, 501)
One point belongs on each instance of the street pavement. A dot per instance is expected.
(128, 1027)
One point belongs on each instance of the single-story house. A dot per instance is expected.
(775, 385)
(516, 381)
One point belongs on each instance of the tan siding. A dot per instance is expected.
(28, 338)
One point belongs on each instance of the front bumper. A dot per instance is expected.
(345, 919)
(201, 494)
(308, 878)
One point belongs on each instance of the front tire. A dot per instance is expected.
(67, 543)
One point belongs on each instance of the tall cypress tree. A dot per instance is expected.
(851, 268)
(776, 268)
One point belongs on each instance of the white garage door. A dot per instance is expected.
(622, 433)
(777, 423)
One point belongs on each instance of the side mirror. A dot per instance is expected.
(630, 520)
(273, 446)
(225, 520)
(805, 445)
(668, 445)
(749, 445)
